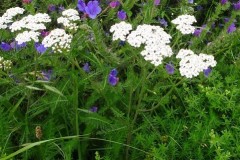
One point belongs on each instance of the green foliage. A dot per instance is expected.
(148, 115)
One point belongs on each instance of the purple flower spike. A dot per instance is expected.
(52, 7)
(114, 4)
(93, 109)
(190, 1)
(81, 6)
(156, 2)
(207, 71)
(231, 28)
(163, 22)
(5, 46)
(86, 67)
(112, 77)
(197, 32)
(46, 75)
(93, 9)
(40, 48)
(236, 6)
(223, 2)
(169, 68)
(122, 15)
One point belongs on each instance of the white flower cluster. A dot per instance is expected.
(27, 36)
(68, 19)
(156, 42)
(120, 30)
(7, 17)
(5, 64)
(191, 64)
(184, 23)
(58, 40)
(31, 22)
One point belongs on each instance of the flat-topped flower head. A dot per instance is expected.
(120, 30)
(58, 40)
(27, 36)
(184, 23)
(68, 19)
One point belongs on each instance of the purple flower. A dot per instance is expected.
(81, 6)
(197, 32)
(223, 2)
(40, 48)
(190, 1)
(92, 9)
(114, 4)
(86, 67)
(112, 77)
(46, 75)
(169, 68)
(44, 33)
(122, 15)
(207, 71)
(163, 22)
(199, 8)
(93, 109)
(236, 6)
(61, 8)
(51, 7)
(156, 2)
(231, 28)
(5, 46)
(17, 46)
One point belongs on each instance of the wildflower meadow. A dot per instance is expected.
(119, 80)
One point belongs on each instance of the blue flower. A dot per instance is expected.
(40, 48)
(112, 77)
(236, 6)
(92, 8)
(93, 109)
(17, 46)
(46, 75)
(207, 72)
(231, 28)
(122, 15)
(86, 67)
(163, 22)
(5, 46)
(169, 68)
(223, 2)
(190, 1)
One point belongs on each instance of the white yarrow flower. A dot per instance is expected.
(58, 40)
(68, 19)
(120, 30)
(184, 23)
(27, 36)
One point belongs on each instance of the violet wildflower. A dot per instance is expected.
(81, 6)
(190, 1)
(199, 8)
(163, 22)
(197, 32)
(112, 77)
(223, 2)
(207, 71)
(17, 46)
(40, 48)
(169, 68)
(231, 28)
(122, 15)
(44, 33)
(5, 46)
(93, 109)
(46, 75)
(51, 7)
(61, 8)
(86, 67)
(236, 6)
(156, 2)
(114, 4)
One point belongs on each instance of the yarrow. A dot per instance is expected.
(156, 42)
(191, 64)
(68, 19)
(58, 40)
(184, 23)
(120, 30)
(7, 17)
(27, 36)
(5, 64)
